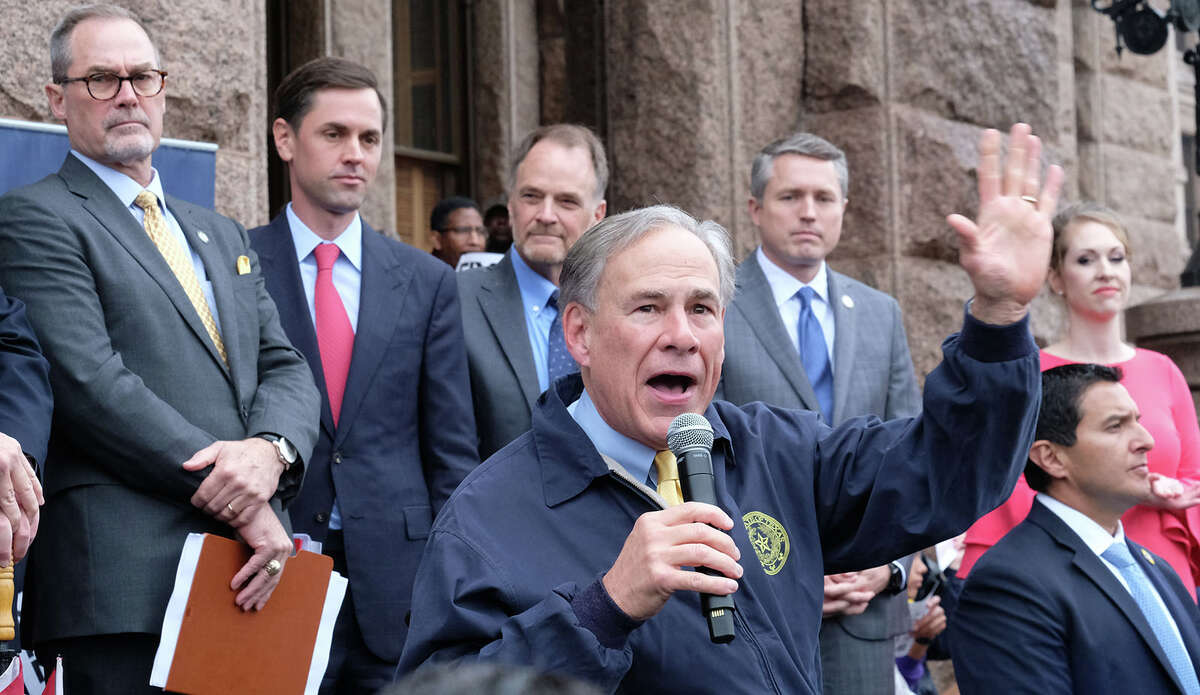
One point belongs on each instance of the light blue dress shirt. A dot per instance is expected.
(784, 287)
(1097, 540)
(637, 458)
(126, 190)
(347, 280)
(535, 292)
(347, 269)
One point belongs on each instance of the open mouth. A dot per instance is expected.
(673, 384)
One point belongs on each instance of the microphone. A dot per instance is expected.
(690, 438)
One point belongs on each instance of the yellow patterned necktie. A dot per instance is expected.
(668, 478)
(180, 264)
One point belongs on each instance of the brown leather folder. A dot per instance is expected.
(222, 649)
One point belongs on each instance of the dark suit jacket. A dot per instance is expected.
(138, 389)
(1041, 613)
(405, 437)
(873, 375)
(25, 401)
(504, 382)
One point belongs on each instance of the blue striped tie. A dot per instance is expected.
(813, 353)
(1145, 596)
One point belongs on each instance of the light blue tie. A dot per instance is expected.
(813, 353)
(1145, 596)
(558, 361)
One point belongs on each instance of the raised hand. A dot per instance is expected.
(1006, 250)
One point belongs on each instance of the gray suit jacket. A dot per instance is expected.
(872, 375)
(504, 383)
(138, 389)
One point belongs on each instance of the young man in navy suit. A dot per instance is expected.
(1065, 603)
(379, 322)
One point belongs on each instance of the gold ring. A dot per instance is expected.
(272, 568)
(231, 509)
(1032, 200)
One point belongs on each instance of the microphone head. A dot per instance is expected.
(688, 432)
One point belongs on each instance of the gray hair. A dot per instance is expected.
(60, 37)
(567, 135)
(804, 144)
(586, 260)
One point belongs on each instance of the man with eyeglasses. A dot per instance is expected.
(457, 229)
(379, 323)
(180, 404)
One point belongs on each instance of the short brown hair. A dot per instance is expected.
(294, 95)
(567, 135)
(1085, 212)
(60, 36)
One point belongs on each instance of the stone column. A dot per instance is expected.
(216, 91)
(504, 88)
(692, 92)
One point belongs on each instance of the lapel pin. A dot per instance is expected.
(243, 265)
(847, 301)
(1146, 554)
(203, 236)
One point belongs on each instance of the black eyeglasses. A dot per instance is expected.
(479, 231)
(103, 86)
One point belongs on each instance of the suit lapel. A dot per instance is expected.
(504, 310)
(844, 337)
(1090, 565)
(757, 304)
(118, 221)
(277, 255)
(381, 299)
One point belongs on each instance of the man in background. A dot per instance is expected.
(379, 323)
(457, 229)
(510, 310)
(799, 335)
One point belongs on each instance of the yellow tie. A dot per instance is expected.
(180, 264)
(668, 478)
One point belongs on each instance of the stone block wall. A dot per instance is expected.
(216, 90)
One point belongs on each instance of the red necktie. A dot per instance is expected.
(335, 337)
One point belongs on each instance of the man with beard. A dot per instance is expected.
(510, 310)
(180, 405)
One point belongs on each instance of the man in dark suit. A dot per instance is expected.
(380, 324)
(25, 408)
(510, 310)
(180, 405)
(1065, 603)
(841, 352)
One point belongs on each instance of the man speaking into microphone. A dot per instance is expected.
(572, 550)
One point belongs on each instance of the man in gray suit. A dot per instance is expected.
(510, 310)
(180, 405)
(799, 335)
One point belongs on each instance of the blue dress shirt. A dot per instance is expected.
(637, 458)
(535, 292)
(347, 280)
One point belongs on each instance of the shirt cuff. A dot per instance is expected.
(599, 614)
(985, 342)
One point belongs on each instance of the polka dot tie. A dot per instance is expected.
(558, 361)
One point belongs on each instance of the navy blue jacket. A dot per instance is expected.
(406, 434)
(25, 400)
(512, 569)
(1040, 613)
